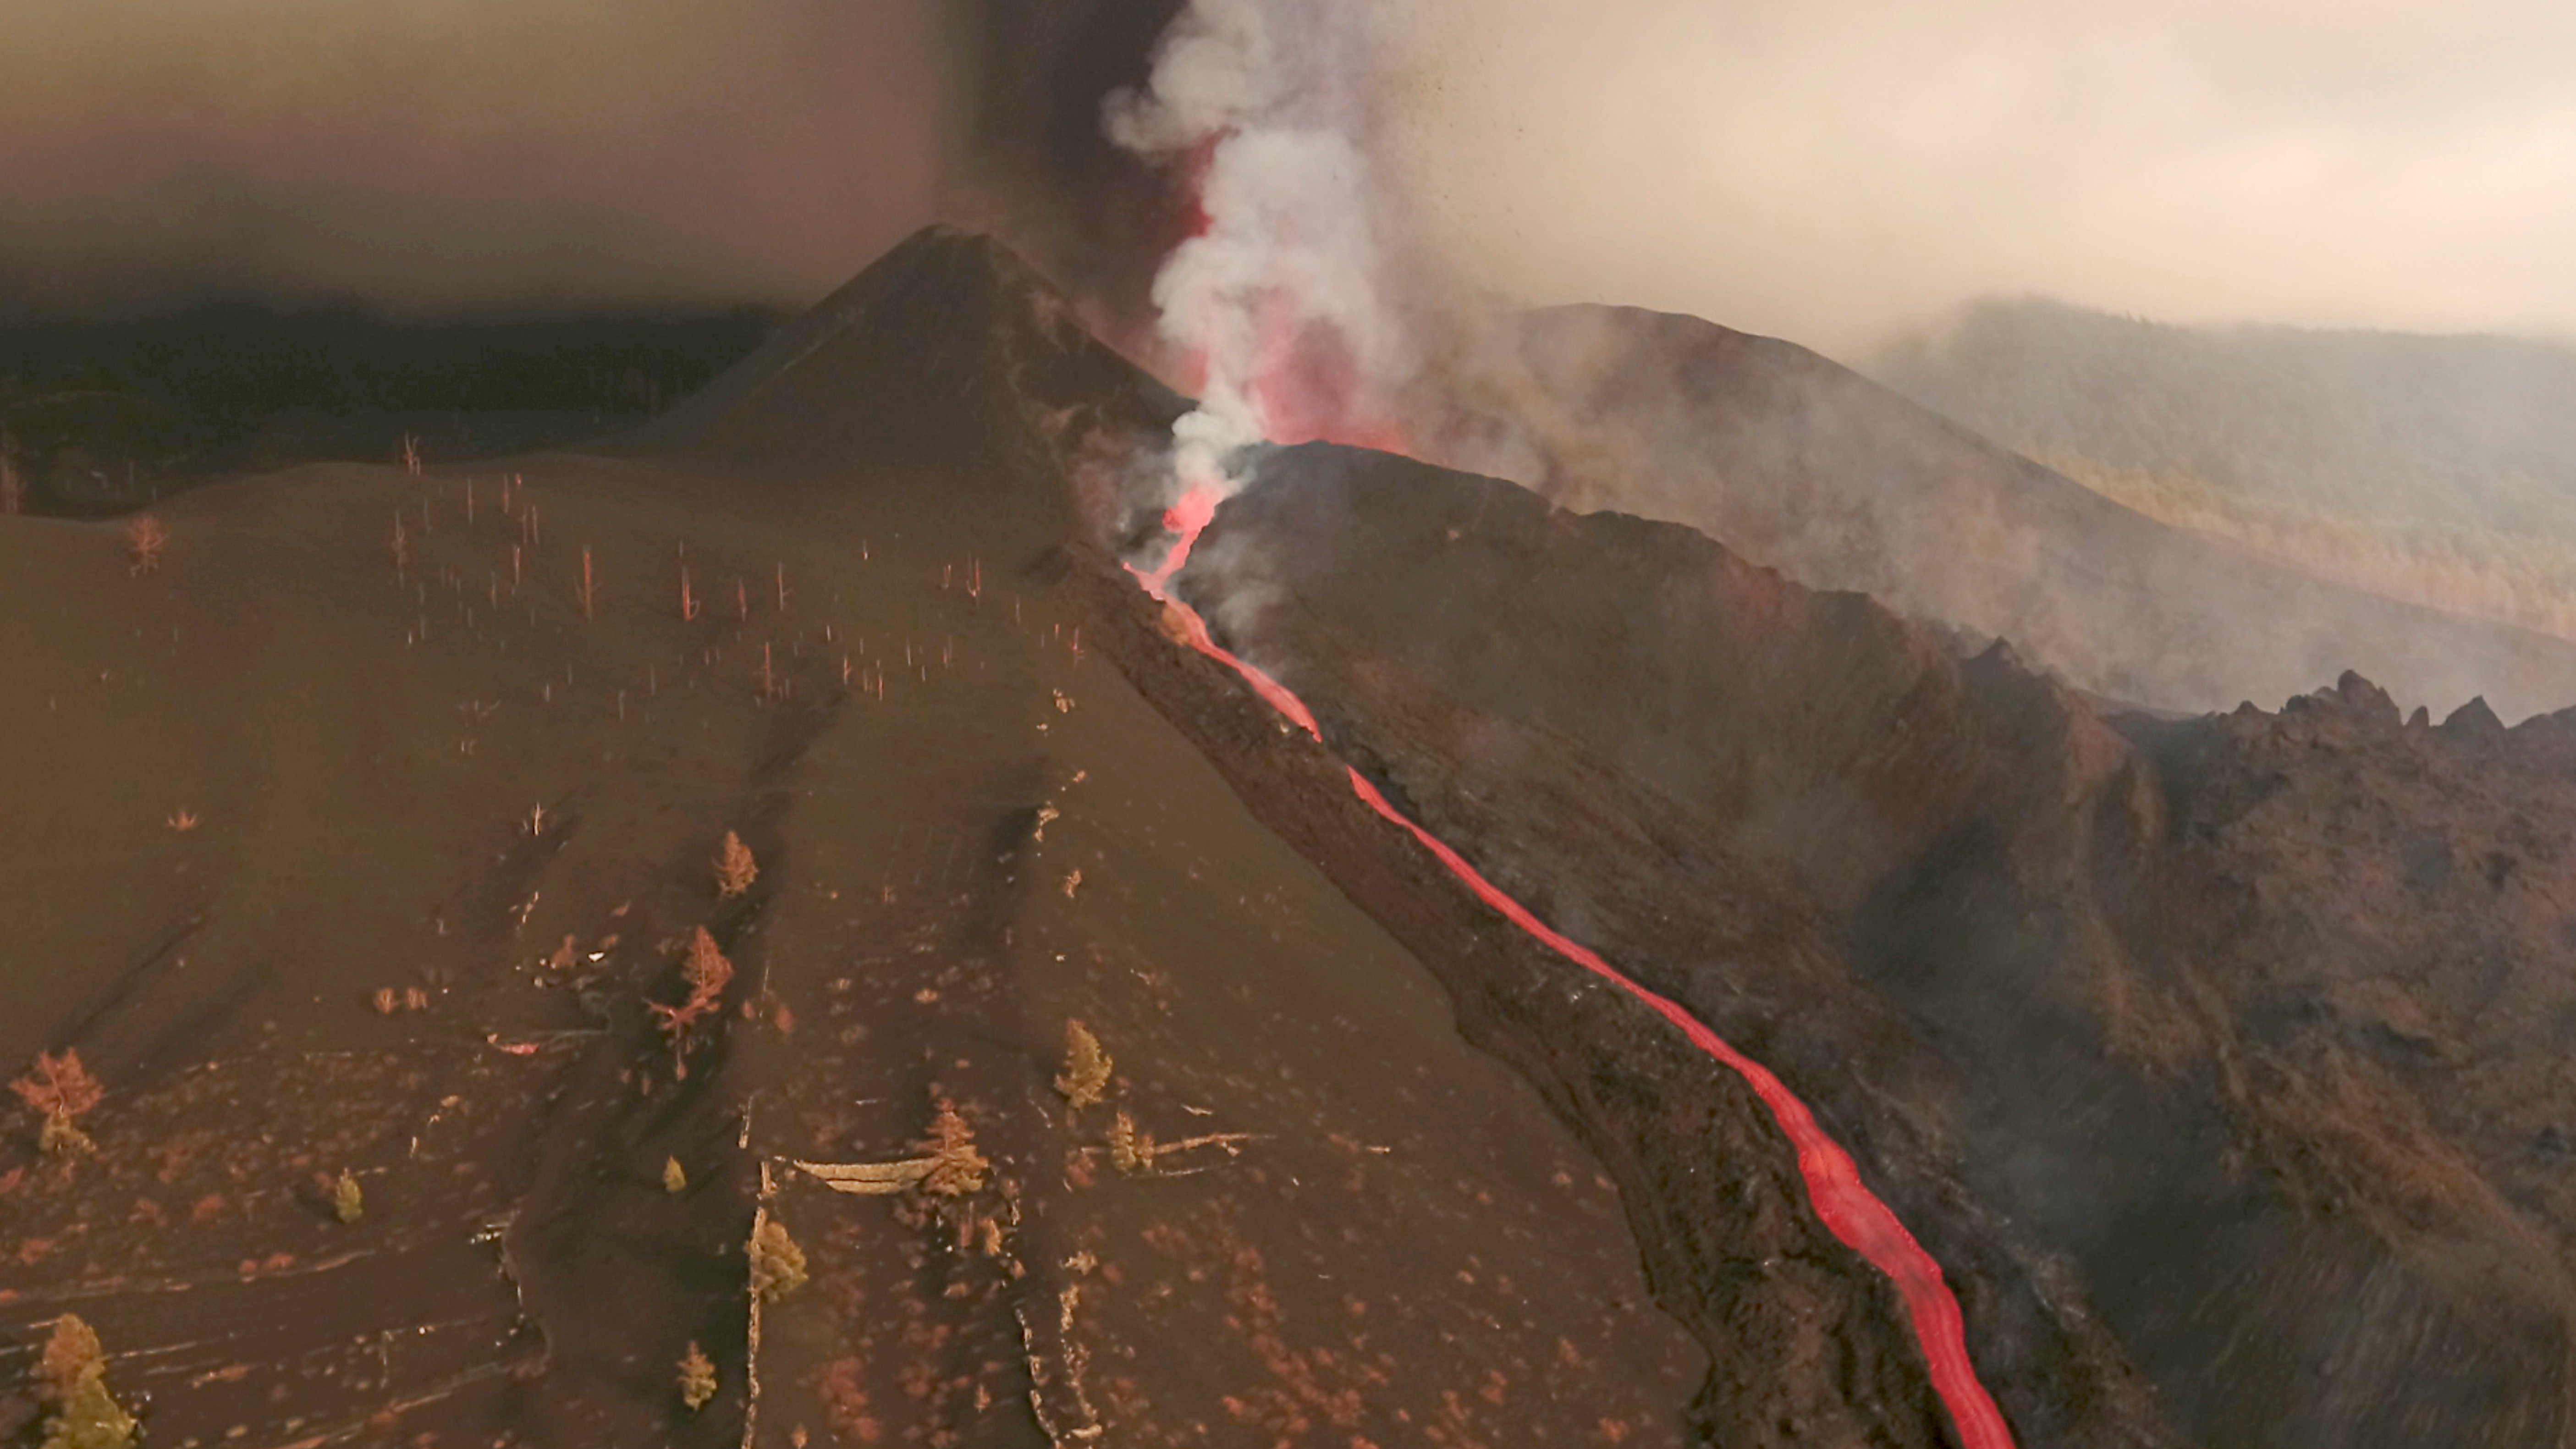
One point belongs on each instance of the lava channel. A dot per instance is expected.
(1848, 1208)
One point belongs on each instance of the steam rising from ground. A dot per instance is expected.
(1277, 302)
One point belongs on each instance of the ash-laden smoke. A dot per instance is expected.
(1030, 162)
(1277, 301)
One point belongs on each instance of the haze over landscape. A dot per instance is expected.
(1825, 172)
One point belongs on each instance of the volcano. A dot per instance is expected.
(2211, 1059)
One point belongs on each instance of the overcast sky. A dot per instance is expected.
(1815, 168)
(435, 153)
(1822, 167)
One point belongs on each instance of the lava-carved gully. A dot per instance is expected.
(1847, 1207)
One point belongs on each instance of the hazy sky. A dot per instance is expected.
(1816, 168)
(428, 153)
(1819, 167)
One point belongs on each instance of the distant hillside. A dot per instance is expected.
(101, 416)
(1839, 482)
(2437, 469)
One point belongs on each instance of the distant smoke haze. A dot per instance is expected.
(1824, 170)
(1030, 158)
(437, 155)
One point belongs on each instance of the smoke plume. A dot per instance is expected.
(1277, 302)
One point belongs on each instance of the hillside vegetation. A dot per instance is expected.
(2441, 470)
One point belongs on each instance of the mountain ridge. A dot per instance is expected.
(1807, 466)
(2435, 468)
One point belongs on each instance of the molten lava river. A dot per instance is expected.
(1848, 1208)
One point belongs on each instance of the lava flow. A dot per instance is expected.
(1848, 1208)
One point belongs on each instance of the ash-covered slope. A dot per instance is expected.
(947, 365)
(363, 832)
(2217, 1060)
(1804, 466)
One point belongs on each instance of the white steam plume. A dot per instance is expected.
(1268, 100)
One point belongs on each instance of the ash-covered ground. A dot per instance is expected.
(2215, 1059)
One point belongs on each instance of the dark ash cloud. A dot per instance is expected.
(1032, 160)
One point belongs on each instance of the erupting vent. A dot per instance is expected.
(1275, 299)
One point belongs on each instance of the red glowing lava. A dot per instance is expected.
(1185, 521)
(1306, 383)
(1195, 164)
(1308, 386)
(1842, 1201)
